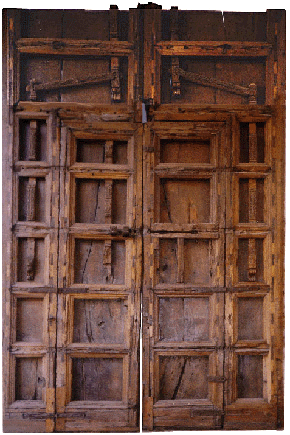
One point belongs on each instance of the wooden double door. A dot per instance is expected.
(156, 210)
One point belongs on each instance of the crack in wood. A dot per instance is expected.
(179, 379)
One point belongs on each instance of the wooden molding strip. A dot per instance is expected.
(213, 48)
(73, 47)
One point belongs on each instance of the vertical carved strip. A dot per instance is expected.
(109, 151)
(252, 260)
(252, 200)
(32, 140)
(108, 201)
(174, 60)
(115, 82)
(30, 271)
(253, 151)
(253, 93)
(180, 260)
(31, 189)
(115, 62)
(107, 261)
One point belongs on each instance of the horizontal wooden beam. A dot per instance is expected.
(73, 47)
(213, 48)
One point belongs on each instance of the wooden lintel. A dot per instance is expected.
(212, 48)
(73, 47)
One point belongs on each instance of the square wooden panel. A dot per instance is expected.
(183, 201)
(97, 379)
(187, 377)
(100, 201)
(183, 377)
(188, 261)
(98, 261)
(99, 320)
(32, 260)
(183, 320)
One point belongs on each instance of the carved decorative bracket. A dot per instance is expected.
(35, 87)
(176, 72)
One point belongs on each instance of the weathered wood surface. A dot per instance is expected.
(188, 205)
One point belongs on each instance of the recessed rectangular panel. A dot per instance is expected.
(97, 379)
(250, 318)
(100, 321)
(185, 201)
(29, 380)
(245, 142)
(183, 319)
(93, 151)
(29, 319)
(250, 376)
(89, 265)
(197, 261)
(38, 199)
(31, 260)
(119, 202)
(183, 377)
(26, 137)
(92, 203)
(167, 260)
(185, 151)
(251, 209)
(250, 260)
